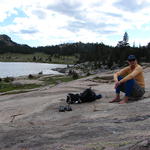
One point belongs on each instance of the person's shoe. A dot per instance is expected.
(68, 108)
(62, 108)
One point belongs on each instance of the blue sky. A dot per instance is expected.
(51, 22)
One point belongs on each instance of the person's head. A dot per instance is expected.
(132, 60)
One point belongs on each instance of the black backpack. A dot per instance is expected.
(87, 95)
(73, 98)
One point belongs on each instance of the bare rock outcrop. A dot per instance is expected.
(31, 121)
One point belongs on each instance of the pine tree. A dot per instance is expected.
(125, 37)
(124, 42)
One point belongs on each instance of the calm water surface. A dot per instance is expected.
(15, 69)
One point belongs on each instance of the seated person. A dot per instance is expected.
(129, 80)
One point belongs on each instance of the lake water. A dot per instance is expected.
(15, 69)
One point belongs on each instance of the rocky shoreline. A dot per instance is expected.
(84, 69)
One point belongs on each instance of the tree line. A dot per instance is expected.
(98, 53)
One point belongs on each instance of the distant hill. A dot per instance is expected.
(7, 45)
(6, 41)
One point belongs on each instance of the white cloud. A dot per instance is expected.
(56, 21)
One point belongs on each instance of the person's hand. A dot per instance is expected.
(117, 83)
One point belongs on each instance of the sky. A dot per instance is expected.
(52, 22)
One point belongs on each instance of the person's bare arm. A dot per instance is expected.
(131, 75)
(122, 72)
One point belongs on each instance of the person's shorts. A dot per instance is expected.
(137, 91)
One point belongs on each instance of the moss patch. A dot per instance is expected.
(5, 87)
(57, 79)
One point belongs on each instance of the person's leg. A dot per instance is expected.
(133, 89)
(128, 90)
(118, 89)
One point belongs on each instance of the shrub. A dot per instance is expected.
(40, 73)
(75, 75)
(30, 76)
(8, 79)
(88, 74)
(70, 72)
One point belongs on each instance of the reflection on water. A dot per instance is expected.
(15, 69)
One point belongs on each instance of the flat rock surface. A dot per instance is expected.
(32, 121)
